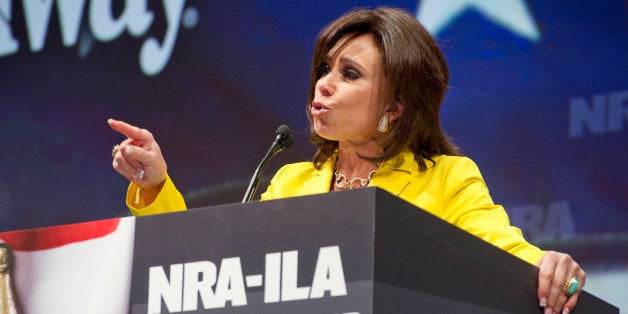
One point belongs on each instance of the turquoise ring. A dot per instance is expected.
(571, 286)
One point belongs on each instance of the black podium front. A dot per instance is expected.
(361, 251)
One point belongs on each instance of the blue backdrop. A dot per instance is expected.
(538, 99)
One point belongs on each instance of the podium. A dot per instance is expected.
(359, 251)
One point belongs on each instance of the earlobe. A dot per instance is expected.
(395, 111)
(392, 113)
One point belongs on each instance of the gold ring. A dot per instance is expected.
(115, 150)
(571, 286)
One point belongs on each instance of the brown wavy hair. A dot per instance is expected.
(415, 74)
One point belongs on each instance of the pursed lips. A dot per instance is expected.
(318, 109)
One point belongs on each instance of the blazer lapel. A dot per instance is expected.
(394, 175)
(320, 181)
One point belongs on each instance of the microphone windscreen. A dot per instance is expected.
(288, 141)
(284, 130)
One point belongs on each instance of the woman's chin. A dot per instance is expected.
(322, 130)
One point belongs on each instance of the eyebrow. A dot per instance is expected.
(347, 60)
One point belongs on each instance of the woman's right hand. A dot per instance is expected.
(139, 159)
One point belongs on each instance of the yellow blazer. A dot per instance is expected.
(452, 188)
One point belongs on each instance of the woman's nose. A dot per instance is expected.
(325, 86)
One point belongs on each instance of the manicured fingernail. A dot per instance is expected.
(543, 302)
(566, 311)
(141, 174)
(548, 310)
(129, 149)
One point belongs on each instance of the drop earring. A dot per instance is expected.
(382, 126)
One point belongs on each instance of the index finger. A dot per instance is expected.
(128, 130)
(547, 267)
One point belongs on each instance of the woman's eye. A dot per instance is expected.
(324, 69)
(351, 74)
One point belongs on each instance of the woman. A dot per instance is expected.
(378, 79)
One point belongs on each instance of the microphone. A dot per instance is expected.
(283, 140)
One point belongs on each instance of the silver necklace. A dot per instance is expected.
(341, 181)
